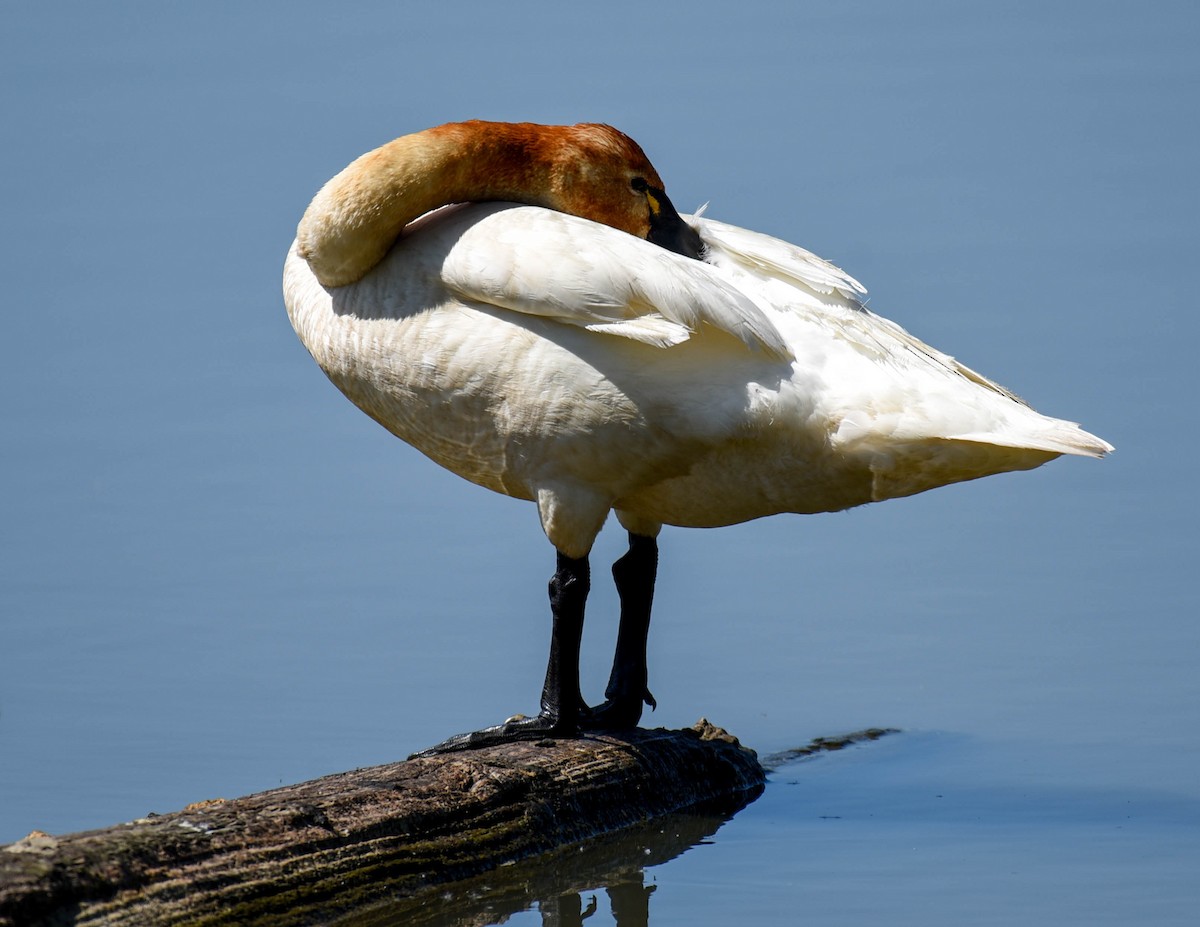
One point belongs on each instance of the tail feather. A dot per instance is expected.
(1056, 436)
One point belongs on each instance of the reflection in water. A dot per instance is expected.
(565, 885)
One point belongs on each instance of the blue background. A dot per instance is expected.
(217, 576)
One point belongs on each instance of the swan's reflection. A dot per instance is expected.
(566, 886)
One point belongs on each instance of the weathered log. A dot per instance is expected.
(307, 853)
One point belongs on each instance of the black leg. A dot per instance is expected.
(562, 704)
(627, 685)
(561, 700)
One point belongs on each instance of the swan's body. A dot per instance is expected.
(553, 358)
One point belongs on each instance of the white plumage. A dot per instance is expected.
(552, 358)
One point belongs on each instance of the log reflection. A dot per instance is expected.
(566, 886)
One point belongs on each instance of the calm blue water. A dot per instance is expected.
(216, 576)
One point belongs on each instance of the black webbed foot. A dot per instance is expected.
(538, 727)
(618, 713)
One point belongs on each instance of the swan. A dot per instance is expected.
(524, 305)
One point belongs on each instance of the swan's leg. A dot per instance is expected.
(561, 699)
(562, 703)
(627, 685)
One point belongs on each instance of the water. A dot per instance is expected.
(217, 576)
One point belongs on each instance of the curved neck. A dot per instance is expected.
(354, 219)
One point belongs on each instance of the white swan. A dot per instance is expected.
(594, 352)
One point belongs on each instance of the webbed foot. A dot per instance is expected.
(514, 729)
(618, 712)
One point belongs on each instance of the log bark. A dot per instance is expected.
(309, 853)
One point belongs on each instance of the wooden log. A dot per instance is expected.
(307, 853)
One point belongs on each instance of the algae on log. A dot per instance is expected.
(309, 852)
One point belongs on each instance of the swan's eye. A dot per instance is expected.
(639, 184)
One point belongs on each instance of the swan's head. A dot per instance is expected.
(602, 174)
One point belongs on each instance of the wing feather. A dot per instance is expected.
(779, 259)
(536, 261)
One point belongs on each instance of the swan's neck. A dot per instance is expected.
(355, 218)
